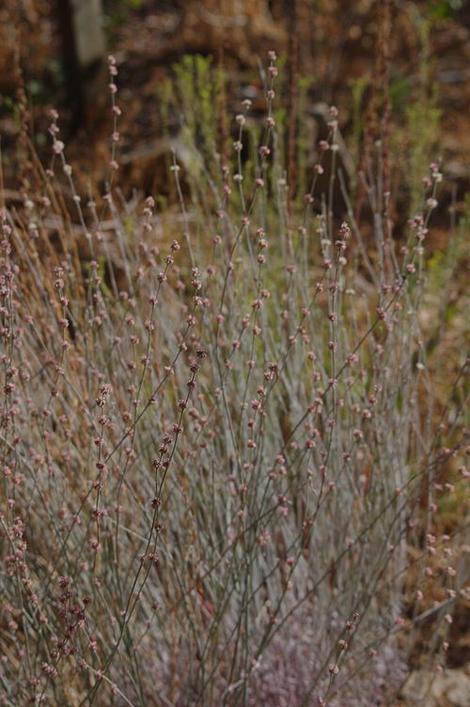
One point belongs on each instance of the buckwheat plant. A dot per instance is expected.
(218, 437)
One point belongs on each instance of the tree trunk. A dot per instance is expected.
(84, 53)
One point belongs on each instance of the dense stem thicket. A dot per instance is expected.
(216, 450)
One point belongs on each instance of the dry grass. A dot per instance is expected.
(221, 452)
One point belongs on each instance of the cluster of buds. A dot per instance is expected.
(262, 245)
(57, 145)
(272, 56)
(196, 281)
(417, 224)
(344, 236)
(15, 563)
(116, 111)
(435, 176)
(105, 392)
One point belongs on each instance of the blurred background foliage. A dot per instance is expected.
(397, 70)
